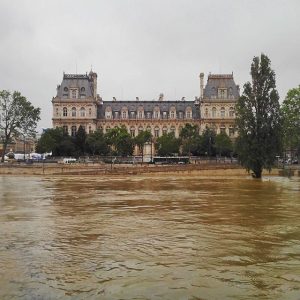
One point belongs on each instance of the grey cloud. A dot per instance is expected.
(142, 48)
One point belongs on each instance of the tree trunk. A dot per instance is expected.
(257, 172)
(4, 150)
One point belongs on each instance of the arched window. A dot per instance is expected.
(156, 131)
(82, 112)
(164, 130)
(90, 112)
(149, 128)
(231, 112)
(173, 130)
(65, 112)
(222, 112)
(124, 115)
(214, 112)
(73, 111)
(172, 114)
(107, 128)
(141, 129)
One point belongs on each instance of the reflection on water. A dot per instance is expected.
(149, 238)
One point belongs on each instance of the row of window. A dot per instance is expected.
(222, 112)
(148, 115)
(222, 93)
(74, 129)
(74, 112)
(157, 131)
(74, 93)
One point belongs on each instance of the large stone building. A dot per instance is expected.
(77, 103)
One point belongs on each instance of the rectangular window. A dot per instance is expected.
(73, 94)
(73, 130)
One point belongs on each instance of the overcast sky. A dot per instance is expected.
(143, 48)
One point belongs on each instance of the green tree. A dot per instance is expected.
(223, 144)
(291, 120)
(96, 143)
(56, 141)
(167, 144)
(17, 117)
(189, 134)
(258, 119)
(80, 140)
(120, 141)
(207, 142)
(141, 139)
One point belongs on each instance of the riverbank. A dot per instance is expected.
(124, 169)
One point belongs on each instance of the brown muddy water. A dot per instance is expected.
(158, 237)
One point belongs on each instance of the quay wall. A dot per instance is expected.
(122, 169)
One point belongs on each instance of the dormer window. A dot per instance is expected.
(73, 94)
(222, 93)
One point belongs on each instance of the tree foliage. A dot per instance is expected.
(258, 119)
(189, 137)
(96, 143)
(56, 141)
(120, 141)
(80, 141)
(167, 144)
(17, 117)
(223, 144)
(291, 120)
(207, 142)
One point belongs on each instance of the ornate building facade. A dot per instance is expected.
(77, 103)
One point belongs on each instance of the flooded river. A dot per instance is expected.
(159, 237)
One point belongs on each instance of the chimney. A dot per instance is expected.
(114, 99)
(161, 97)
(137, 99)
(201, 85)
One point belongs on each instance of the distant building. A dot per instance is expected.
(77, 103)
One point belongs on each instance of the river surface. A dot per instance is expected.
(158, 237)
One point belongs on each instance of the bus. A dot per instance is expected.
(167, 160)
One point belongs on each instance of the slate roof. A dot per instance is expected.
(76, 81)
(149, 106)
(215, 81)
